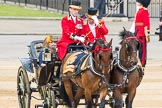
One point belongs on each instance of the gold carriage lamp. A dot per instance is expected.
(46, 56)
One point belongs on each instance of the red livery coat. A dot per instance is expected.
(100, 32)
(68, 28)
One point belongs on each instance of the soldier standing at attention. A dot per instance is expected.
(142, 24)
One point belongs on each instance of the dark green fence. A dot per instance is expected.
(60, 5)
(126, 8)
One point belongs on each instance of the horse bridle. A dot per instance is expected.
(131, 38)
(98, 50)
(127, 45)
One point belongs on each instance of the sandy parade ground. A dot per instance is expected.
(149, 93)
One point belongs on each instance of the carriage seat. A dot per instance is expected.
(38, 48)
(43, 74)
(74, 48)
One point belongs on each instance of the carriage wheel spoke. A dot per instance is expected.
(23, 89)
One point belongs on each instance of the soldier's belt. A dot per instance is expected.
(139, 24)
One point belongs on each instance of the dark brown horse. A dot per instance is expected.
(89, 75)
(126, 74)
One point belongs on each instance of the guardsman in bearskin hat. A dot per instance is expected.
(72, 29)
(93, 28)
(142, 24)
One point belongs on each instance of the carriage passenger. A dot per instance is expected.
(72, 30)
(94, 28)
(48, 47)
(142, 24)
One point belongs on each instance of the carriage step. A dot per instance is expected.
(34, 89)
(38, 106)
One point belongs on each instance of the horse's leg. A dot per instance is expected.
(118, 98)
(88, 98)
(78, 95)
(103, 93)
(130, 97)
(68, 89)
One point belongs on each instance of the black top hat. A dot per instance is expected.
(145, 3)
(92, 12)
(75, 4)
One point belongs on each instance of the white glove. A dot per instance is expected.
(81, 39)
(95, 19)
(132, 29)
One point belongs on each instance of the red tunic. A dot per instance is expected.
(100, 32)
(142, 20)
(68, 28)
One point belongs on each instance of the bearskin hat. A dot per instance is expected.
(145, 3)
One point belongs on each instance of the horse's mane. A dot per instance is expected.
(122, 34)
(100, 41)
(126, 33)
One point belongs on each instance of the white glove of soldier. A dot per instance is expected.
(96, 21)
(81, 39)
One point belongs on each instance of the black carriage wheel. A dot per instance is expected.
(23, 89)
(95, 101)
(50, 101)
(42, 91)
(53, 99)
(112, 102)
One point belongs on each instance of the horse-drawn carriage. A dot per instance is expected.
(47, 81)
(91, 74)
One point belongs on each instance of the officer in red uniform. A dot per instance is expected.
(142, 24)
(72, 29)
(93, 28)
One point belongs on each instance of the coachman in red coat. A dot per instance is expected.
(142, 24)
(72, 29)
(93, 28)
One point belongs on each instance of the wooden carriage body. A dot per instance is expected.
(46, 79)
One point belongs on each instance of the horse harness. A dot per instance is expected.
(126, 70)
(91, 61)
(98, 51)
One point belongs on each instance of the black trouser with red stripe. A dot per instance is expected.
(143, 50)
